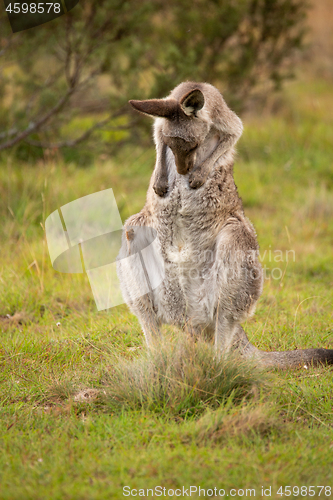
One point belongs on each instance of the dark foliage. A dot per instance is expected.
(86, 64)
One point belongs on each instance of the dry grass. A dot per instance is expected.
(181, 377)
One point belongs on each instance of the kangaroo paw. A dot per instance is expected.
(197, 178)
(161, 187)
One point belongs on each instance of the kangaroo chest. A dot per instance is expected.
(187, 224)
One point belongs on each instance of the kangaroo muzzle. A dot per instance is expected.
(184, 153)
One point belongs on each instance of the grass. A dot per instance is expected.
(181, 378)
(69, 427)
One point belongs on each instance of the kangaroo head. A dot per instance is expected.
(186, 118)
(182, 127)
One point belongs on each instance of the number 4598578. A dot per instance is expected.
(33, 8)
(304, 491)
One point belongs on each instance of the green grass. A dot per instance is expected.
(69, 430)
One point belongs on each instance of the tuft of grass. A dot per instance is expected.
(181, 378)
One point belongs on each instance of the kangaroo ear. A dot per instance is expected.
(192, 102)
(166, 108)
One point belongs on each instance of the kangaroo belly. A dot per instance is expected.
(204, 274)
(185, 293)
(188, 289)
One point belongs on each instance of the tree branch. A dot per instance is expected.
(33, 127)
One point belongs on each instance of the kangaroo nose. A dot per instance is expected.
(181, 163)
(185, 161)
(184, 153)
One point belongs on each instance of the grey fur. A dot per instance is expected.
(209, 250)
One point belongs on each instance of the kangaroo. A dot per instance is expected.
(207, 247)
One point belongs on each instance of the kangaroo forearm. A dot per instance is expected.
(161, 172)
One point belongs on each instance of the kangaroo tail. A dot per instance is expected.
(297, 358)
(283, 359)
